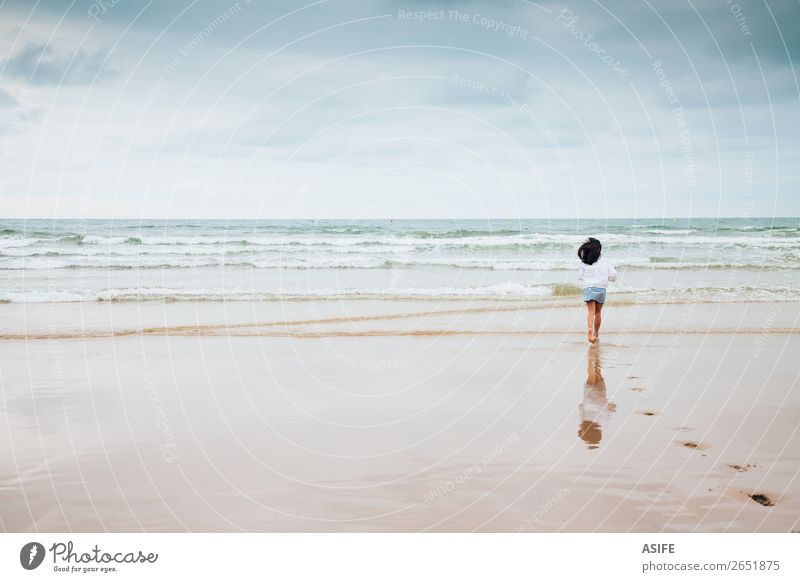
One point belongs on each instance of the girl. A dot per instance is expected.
(595, 274)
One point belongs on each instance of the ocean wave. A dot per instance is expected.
(566, 290)
(366, 261)
(503, 291)
(751, 228)
(479, 248)
(507, 241)
(15, 242)
(669, 231)
(465, 233)
(499, 291)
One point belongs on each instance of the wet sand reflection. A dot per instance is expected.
(595, 409)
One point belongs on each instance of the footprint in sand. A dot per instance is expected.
(693, 445)
(741, 468)
(646, 413)
(637, 389)
(761, 499)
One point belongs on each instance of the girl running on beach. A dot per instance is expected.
(595, 274)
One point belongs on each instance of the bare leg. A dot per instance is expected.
(590, 306)
(598, 319)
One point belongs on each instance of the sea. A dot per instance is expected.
(659, 260)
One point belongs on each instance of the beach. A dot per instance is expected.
(410, 375)
(375, 415)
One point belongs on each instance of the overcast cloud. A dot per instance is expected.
(378, 108)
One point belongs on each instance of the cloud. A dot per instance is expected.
(13, 115)
(6, 100)
(260, 92)
(41, 64)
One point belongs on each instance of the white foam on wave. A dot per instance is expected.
(321, 261)
(240, 294)
(662, 231)
(507, 291)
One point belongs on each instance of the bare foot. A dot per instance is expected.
(592, 337)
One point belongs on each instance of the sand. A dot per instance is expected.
(399, 416)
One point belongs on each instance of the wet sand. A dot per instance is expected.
(398, 416)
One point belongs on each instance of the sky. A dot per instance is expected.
(399, 109)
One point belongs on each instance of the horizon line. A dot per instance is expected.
(409, 218)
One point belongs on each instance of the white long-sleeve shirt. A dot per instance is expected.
(600, 274)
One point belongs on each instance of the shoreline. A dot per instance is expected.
(344, 318)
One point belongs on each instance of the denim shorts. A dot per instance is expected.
(594, 294)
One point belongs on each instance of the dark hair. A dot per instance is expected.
(589, 251)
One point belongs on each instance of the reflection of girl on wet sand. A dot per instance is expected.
(595, 409)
